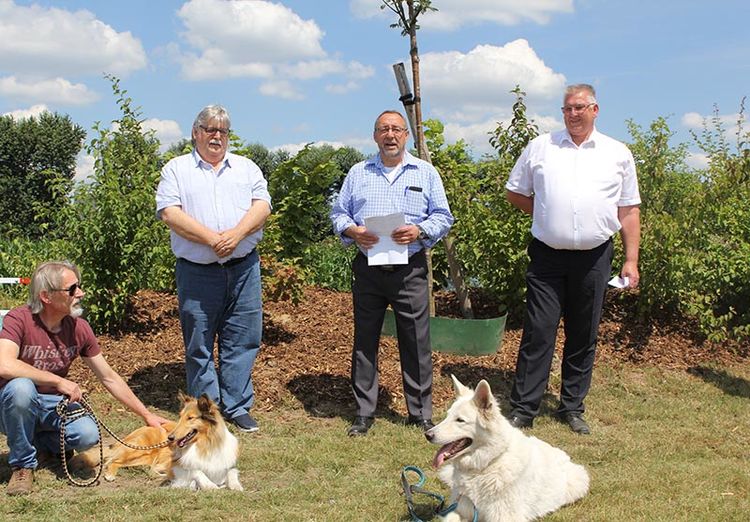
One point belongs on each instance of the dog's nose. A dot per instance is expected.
(170, 437)
(428, 435)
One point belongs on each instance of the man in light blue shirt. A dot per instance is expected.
(215, 204)
(392, 181)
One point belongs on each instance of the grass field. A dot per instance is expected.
(666, 446)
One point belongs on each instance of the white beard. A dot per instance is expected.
(76, 311)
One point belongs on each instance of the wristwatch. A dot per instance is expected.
(422, 235)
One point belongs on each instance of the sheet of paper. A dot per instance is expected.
(386, 251)
(619, 282)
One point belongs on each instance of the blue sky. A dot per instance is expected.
(297, 71)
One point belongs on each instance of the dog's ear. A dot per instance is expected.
(459, 388)
(206, 407)
(183, 398)
(204, 404)
(483, 397)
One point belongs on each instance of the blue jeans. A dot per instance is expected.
(29, 420)
(221, 303)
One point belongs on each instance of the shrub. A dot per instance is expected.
(329, 264)
(110, 226)
(491, 235)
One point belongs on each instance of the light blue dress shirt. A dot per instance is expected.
(417, 191)
(218, 199)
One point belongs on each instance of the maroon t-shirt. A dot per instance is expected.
(42, 349)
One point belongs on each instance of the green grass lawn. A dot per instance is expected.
(665, 446)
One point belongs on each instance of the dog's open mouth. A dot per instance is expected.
(450, 450)
(187, 438)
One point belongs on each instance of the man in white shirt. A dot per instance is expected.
(580, 188)
(215, 204)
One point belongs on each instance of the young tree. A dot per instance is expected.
(110, 225)
(408, 13)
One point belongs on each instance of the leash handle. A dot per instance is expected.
(67, 416)
(410, 489)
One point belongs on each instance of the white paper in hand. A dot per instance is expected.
(619, 282)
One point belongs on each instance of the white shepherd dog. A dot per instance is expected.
(493, 467)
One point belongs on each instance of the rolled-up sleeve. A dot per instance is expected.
(167, 192)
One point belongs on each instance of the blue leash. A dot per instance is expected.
(411, 489)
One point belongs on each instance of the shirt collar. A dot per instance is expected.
(564, 136)
(408, 159)
(199, 162)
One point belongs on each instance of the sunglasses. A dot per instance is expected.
(71, 289)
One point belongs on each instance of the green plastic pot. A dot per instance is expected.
(459, 336)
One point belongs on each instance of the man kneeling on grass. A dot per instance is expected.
(38, 343)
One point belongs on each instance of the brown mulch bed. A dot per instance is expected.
(306, 353)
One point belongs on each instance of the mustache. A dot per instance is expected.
(215, 142)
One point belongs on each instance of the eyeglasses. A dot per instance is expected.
(213, 130)
(395, 130)
(71, 289)
(569, 109)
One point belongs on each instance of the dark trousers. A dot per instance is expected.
(560, 283)
(405, 289)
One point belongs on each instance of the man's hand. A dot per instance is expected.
(630, 270)
(153, 420)
(405, 234)
(361, 236)
(227, 242)
(69, 389)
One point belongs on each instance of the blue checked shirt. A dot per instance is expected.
(417, 191)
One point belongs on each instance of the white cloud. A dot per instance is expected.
(477, 135)
(697, 160)
(280, 89)
(52, 42)
(57, 91)
(453, 14)
(693, 120)
(245, 35)
(168, 132)
(258, 39)
(33, 111)
(474, 85)
(320, 68)
(342, 88)
(84, 167)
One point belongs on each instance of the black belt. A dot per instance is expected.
(225, 264)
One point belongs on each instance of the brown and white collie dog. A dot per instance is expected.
(201, 454)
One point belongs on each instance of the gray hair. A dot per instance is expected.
(580, 87)
(210, 113)
(390, 111)
(47, 278)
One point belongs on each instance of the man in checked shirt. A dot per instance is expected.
(392, 181)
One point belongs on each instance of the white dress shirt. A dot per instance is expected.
(576, 189)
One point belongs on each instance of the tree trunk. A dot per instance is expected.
(453, 264)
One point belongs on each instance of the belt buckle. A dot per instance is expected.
(388, 268)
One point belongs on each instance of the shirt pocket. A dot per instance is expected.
(415, 202)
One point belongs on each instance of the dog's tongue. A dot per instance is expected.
(440, 456)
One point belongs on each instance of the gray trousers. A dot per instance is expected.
(405, 289)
